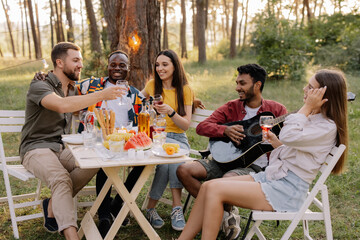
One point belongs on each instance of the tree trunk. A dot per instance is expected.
(27, 28)
(1, 53)
(233, 30)
(194, 22)
(70, 31)
(94, 33)
(38, 27)
(139, 35)
(240, 23)
(321, 7)
(22, 29)
(112, 17)
(51, 23)
(57, 23)
(33, 30)
(227, 19)
(61, 25)
(82, 27)
(200, 14)
(165, 31)
(183, 31)
(245, 24)
(9, 27)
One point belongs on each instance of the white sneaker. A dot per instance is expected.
(231, 225)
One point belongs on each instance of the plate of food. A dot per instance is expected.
(170, 150)
(72, 139)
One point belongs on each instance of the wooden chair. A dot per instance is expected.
(304, 213)
(12, 122)
(198, 116)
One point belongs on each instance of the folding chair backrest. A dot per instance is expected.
(11, 122)
(198, 116)
(304, 213)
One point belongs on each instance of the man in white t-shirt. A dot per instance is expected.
(118, 68)
(249, 85)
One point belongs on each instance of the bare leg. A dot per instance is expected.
(228, 207)
(70, 233)
(190, 175)
(50, 211)
(176, 195)
(241, 191)
(152, 203)
(195, 220)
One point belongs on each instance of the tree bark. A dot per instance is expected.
(200, 14)
(38, 27)
(82, 26)
(165, 30)
(1, 53)
(227, 19)
(27, 28)
(61, 25)
(233, 30)
(245, 24)
(140, 21)
(183, 31)
(194, 23)
(240, 23)
(70, 31)
(10, 29)
(51, 23)
(112, 17)
(33, 31)
(22, 29)
(58, 24)
(94, 32)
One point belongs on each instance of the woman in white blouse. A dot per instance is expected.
(304, 142)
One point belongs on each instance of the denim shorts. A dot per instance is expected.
(286, 194)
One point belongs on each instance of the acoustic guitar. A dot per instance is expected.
(231, 155)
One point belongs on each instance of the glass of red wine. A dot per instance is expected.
(158, 100)
(266, 124)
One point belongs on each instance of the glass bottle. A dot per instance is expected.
(144, 119)
(152, 113)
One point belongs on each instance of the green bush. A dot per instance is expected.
(337, 41)
(281, 47)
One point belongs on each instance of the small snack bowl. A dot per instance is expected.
(116, 146)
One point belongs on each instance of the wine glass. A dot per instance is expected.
(125, 86)
(158, 100)
(266, 124)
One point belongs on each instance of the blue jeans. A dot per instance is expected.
(167, 172)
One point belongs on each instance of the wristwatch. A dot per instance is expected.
(172, 114)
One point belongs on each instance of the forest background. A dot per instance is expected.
(291, 39)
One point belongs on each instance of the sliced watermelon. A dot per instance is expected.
(129, 144)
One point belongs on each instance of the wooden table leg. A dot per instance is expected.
(85, 223)
(129, 202)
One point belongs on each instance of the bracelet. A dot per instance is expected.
(172, 114)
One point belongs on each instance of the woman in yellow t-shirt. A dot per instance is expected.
(170, 81)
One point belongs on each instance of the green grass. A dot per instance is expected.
(214, 83)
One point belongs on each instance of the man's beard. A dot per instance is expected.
(71, 75)
(248, 95)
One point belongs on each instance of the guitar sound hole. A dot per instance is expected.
(255, 130)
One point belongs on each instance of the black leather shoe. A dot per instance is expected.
(104, 226)
(50, 224)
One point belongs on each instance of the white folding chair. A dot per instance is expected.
(198, 116)
(11, 122)
(304, 213)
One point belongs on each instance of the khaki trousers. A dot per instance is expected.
(58, 171)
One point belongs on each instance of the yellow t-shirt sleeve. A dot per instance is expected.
(150, 87)
(188, 95)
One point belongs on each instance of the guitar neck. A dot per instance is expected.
(281, 118)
